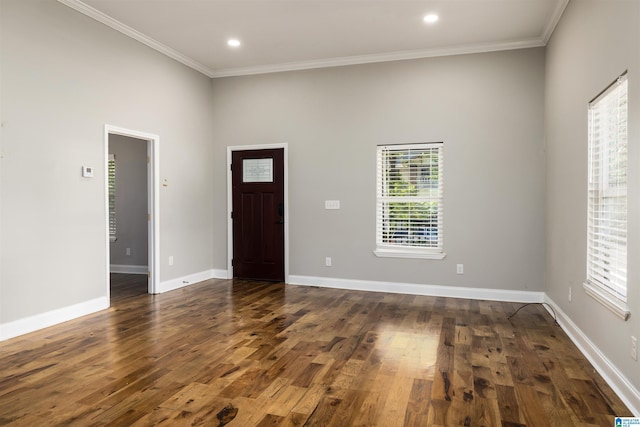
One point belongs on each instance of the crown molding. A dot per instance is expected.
(321, 63)
(383, 57)
(136, 35)
(553, 22)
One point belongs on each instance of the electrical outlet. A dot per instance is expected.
(634, 348)
(170, 259)
(128, 251)
(327, 261)
(569, 293)
(459, 268)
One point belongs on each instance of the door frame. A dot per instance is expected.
(230, 150)
(153, 203)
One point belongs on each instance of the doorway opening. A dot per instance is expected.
(257, 204)
(131, 185)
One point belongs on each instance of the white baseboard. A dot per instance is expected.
(50, 318)
(415, 289)
(190, 279)
(40, 321)
(128, 269)
(220, 274)
(616, 380)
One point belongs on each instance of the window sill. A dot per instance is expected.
(618, 307)
(399, 253)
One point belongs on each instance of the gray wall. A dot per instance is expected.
(488, 110)
(594, 43)
(131, 201)
(63, 77)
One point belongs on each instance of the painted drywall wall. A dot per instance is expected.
(131, 201)
(63, 77)
(488, 110)
(594, 43)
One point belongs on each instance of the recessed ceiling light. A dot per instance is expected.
(233, 43)
(430, 18)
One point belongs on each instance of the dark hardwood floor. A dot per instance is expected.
(127, 286)
(300, 356)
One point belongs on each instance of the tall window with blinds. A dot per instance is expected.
(607, 198)
(111, 188)
(409, 201)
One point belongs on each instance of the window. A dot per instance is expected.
(409, 201)
(111, 181)
(607, 198)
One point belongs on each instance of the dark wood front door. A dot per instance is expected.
(258, 214)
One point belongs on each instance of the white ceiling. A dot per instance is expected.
(280, 35)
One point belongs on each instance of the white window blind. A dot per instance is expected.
(607, 195)
(409, 200)
(112, 196)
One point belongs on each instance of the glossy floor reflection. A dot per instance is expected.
(294, 356)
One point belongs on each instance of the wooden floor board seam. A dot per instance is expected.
(268, 354)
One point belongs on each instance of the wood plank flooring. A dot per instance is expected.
(300, 356)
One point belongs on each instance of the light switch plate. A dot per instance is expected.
(332, 204)
(87, 172)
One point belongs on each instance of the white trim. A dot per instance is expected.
(553, 22)
(50, 318)
(379, 57)
(136, 35)
(620, 384)
(107, 277)
(230, 150)
(616, 380)
(609, 301)
(418, 289)
(220, 274)
(153, 201)
(128, 269)
(399, 253)
(320, 63)
(153, 194)
(187, 280)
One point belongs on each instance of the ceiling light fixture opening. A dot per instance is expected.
(431, 18)
(233, 43)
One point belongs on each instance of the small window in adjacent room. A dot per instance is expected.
(607, 198)
(409, 201)
(111, 181)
